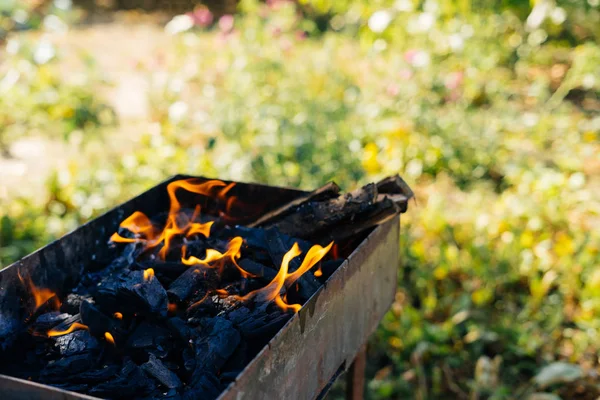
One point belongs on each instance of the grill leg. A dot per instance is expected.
(355, 385)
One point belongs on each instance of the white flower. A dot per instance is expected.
(421, 59)
(44, 52)
(456, 41)
(558, 15)
(177, 111)
(403, 5)
(53, 23)
(379, 21)
(538, 15)
(178, 24)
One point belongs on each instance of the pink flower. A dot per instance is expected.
(405, 74)
(286, 44)
(410, 55)
(393, 90)
(226, 23)
(202, 17)
(276, 31)
(453, 80)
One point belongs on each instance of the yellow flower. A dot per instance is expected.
(370, 162)
(563, 245)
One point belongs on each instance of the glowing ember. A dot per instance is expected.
(73, 327)
(109, 338)
(148, 274)
(172, 307)
(118, 315)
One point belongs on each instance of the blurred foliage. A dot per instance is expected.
(491, 112)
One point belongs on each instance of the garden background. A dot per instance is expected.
(489, 110)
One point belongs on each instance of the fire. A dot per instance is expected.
(272, 292)
(118, 315)
(233, 253)
(148, 274)
(40, 295)
(73, 327)
(145, 232)
(318, 272)
(109, 338)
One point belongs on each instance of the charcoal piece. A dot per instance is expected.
(230, 376)
(214, 348)
(239, 315)
(395, 186)
(371, 216)
(259, 322)
(47, 321)
(148, 336)
(257, 269)
(278, 247)
(311, 218)
(73, 301)
(132, 293)
(10, 318)
(97, 322)
(238, 359)
(328, 191)
(329, 267)
(189, 359)
(76, 342)
(131, 381)
(66, 323)
(97, 375)
(67, 366)
(193, 280)
(204, 385)
(180, 329)
(168, 268)
(211, 306)
(156, 369)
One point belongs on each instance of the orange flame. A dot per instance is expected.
(40, 295)
(148, 274)
(318, 272)
(73, 327)
(118, 315)
(109, 338)
(145, 232)
(272, 292)
(233, 253)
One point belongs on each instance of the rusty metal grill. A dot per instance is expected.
(321, 340)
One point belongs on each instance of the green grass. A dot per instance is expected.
(494, 123)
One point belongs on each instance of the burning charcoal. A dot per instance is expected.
(136, 291)
(97, 322)
(203, 386)
(131, 381)
(257, 269)
(76, 342)
(73, 301)
(167, 268)
(180, 329)
(156, 369)
(47, 321)
(214, 349)
(194, 279)
(59, 369)
(66, 323)
(278, 246)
